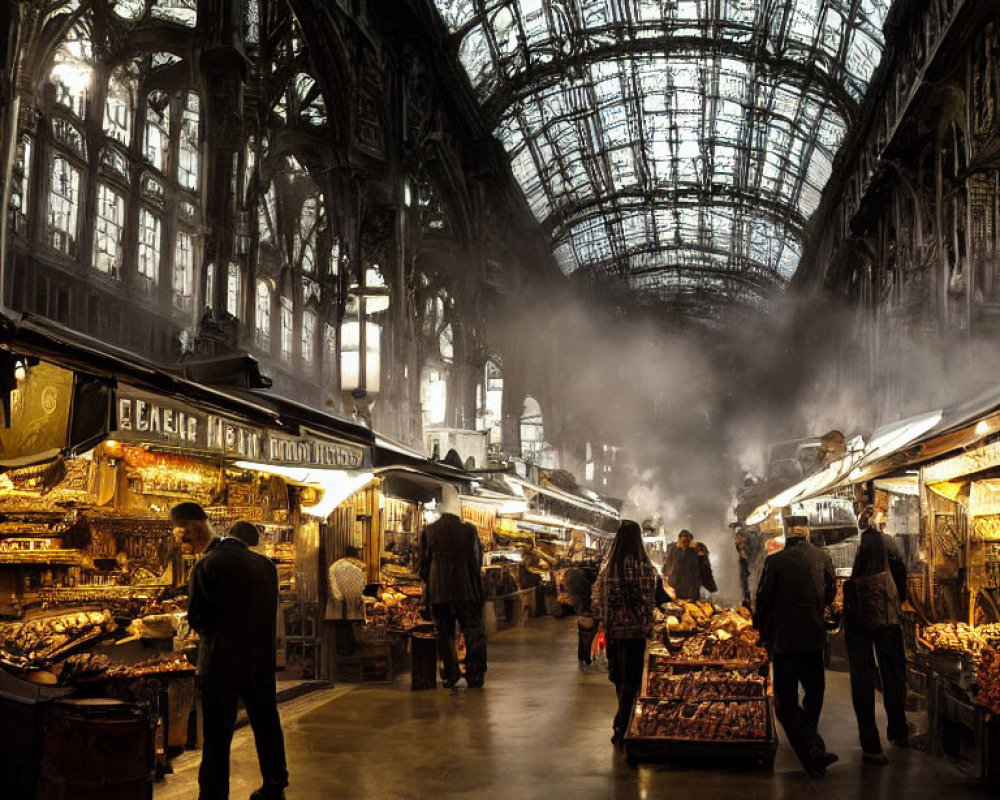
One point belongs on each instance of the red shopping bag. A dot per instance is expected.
(599, 646)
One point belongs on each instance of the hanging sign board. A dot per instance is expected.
(40, 411)
(145, 418)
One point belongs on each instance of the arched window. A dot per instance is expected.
(72, 71)
(262, 315)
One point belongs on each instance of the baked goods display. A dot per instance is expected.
(704, 631)
(89, 668)
(39, 642)
(701, 721)
(704, 684)
(953, 637)
(988, 677)
(705, 691)
(397, 608)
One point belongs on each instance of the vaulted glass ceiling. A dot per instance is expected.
(674, 147)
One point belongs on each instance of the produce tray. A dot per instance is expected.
(750, 752)
(681, 666)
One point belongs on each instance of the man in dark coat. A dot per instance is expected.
(795, 587)
(233, 598)
(687, 567)
(451, 558)
(873, 628)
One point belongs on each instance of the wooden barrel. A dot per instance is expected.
(96, 749)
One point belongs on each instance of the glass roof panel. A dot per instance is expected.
(686, 140)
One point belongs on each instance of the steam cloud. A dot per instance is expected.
(696, 405)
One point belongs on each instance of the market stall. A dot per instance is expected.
(93, 584)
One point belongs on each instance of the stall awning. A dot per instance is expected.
(597, 507)
(155, 406)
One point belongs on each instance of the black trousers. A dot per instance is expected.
(801, 721)
(469, 617)
(625, 671)
(886, 644)
(220, 695)
(586, 630)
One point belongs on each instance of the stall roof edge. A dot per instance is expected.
(73, 350)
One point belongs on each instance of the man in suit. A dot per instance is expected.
(233, 598)
(451, 558)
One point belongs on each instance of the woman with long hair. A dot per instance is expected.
(627, 590)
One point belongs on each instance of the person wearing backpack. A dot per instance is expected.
(873, 630)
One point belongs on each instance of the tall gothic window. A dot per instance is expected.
(184, 271)
(64, 206)
(287, 328)
(188, 150)
(262, 315)
(149, 245)
(157, 143)
(234, 279)
(108, 231)
(308, 339)
(119, 105)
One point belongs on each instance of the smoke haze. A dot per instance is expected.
(695, 406)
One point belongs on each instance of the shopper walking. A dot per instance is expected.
(451, 558)
(625, 594)
(233, 597)
(687, 567)
(579, 584)
(873, 629)
(795, 587)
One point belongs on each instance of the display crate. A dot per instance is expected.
(715, 748)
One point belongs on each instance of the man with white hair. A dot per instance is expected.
(451, 558)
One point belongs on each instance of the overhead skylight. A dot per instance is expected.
(671, 144)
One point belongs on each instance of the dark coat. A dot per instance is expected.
(864, 604)
(451, 558)
(687, 569)
(869, 560)
(233, 606)
(797, 584)
(578, 587)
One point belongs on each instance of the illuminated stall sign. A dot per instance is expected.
(147, 419)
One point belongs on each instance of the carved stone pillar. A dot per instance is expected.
(223, 69)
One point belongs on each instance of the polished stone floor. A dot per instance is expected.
(538, 730)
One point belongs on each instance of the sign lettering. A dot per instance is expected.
(144, 418)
